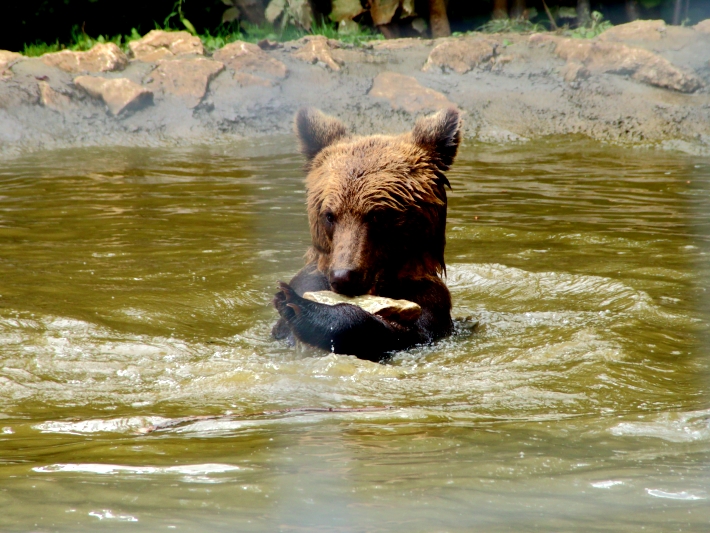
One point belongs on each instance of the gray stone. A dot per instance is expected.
(617, 58)
(406, 93)
(461, 55)
(119, 94)
(188, 79)
(316, 49)
(159, 44)
(251, 65)
(638, 30)
(703, 26)
(105, 57)
(52, 99)
(7, 59)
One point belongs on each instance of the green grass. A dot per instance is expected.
(253, 34)
(39, 48)
(79, 42)
(224, 35)
(596, 26)
(228, 33)
(507, 25)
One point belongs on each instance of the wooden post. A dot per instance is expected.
(438, 20)
(632, 10)
(500, 9)
(583, 13)
(518, 10)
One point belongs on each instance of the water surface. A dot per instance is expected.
(135, 288)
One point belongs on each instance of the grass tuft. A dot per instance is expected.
(79, 42)
(596, 26)
(225, 34)
(507, 25)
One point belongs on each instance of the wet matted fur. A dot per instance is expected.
(377, 215)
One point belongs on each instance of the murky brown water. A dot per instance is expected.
(135, 288)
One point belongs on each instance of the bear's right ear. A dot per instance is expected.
(440, 135)
(316, 130)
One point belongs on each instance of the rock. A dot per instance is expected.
(397, 44)
(188, 79)
(617, 58)
(348, 56)
(504, 59)
(461, 55)
(159, 44)
(574, 71)
(638, 30)
(396, 310)
(251, 65)
(105, 57)
(703, 26)
(52, 99)
(119, 94)
(317, 49)
(12, 96)
(266, 44)
(405, 92)
(7, 59)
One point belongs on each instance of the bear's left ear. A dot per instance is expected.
(440, 135)
(316, 131)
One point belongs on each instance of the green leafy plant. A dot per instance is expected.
(357, 35)
(291, 12)
(596, 25)
(79, 42)
(508, 25)
(39, 48)
(177, 12)
(255, 33)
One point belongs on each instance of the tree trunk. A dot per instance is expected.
(632, 10)
(518, 10)
(500, 9)
(583, 13)
(252, 10)
(390, 31)
(677, 12)
(438, 20)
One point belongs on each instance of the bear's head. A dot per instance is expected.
(377, 204)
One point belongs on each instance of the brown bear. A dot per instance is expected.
(377, 214)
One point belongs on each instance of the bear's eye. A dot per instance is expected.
(329, 218)
(375, 217)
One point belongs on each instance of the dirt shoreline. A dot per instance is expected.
(642, 83)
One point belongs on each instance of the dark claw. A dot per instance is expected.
(287, 291)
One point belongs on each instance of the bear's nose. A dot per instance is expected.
(347, 282)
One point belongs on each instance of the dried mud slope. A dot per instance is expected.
(641, 83)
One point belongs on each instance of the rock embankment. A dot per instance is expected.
(642, 82)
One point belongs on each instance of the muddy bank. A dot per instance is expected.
(639, 83)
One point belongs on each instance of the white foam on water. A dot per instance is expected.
(107, 514)
(118, 425)
(110, 469)
(672, 427)
(567, 291)
(606, 484)
(683, 495)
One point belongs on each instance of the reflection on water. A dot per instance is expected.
(135, 288)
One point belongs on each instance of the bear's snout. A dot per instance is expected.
(347, 282)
